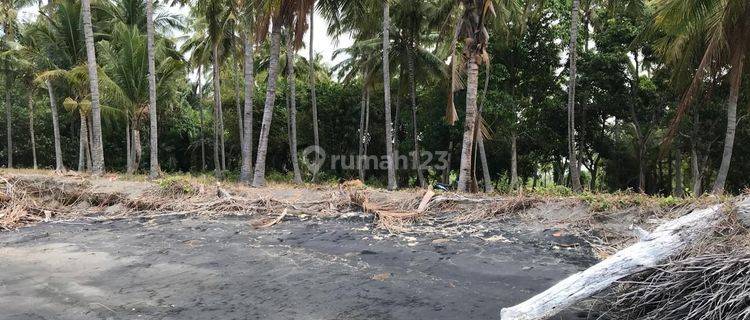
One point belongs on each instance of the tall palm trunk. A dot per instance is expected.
(9, 119)
(486, 177)
(222, 138)
(361, 142)
(218, 169)
(467, 150)
(488, 187)
(640, 137)
(83, 144)
(247, 127)
(128, 147)
(696, 172)
(447, 170)
(137, 146)
(154, 169)
(734, 93)
(59, 166)
(292, 107)
(679, 190)
(367, 127)
(313, 94)
(415, 131)
(31, 127)
(240, 115)
(514, 183)
(259, 178)
(89, 144)
(387, 92)
(575, 174)
(96, 128)
(202, 128)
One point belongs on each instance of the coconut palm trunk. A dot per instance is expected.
(259, 179)
(218, 168)
(292, 107)
(415, 131)
(486, 177)
(514, 160)
(387, 92)
(238, 104)
(472, 84)
(247, 127)
(89, 157)
(83, 144)
(154, 169)
(361, 142)
(137, 146)
(679, 190)
(313, 94)
(128, 147)
(202, 121)
(696, 174)
(96, 129)
(9, 118)
(735, 83)
(366, 141)
(31, 128)
(59, 166)
(575, 174)
(222, 138)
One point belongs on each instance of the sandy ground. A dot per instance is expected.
(196, 268)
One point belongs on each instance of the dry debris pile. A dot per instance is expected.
(710, 280)
(704, 287)
(30, 199)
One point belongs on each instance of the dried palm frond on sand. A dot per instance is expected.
(710, 280)
(704, 287)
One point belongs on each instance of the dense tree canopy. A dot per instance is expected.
(659, 104)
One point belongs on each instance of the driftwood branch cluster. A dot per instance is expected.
(666, 241)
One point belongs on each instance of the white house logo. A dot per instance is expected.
(318, 158)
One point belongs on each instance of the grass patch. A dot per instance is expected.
(177, 185)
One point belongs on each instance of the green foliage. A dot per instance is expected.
(636, 61)
(177, 185)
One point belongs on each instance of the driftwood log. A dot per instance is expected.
(665, 241)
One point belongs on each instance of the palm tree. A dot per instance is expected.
(575, 174)
(56, 43)
(126, 60)
(199, 47)
(472, 26)
(387, 92)
(292, 98)
(364, 58)
(361, 59)
(291, 13)
(30, 96)
(259, 177)
(247, 10)
(97, 148)
(716, 33)
(59, 165)
(9, 73)
(42, 59)
(247, 125)
(154, 169)
(9, 9)
(215, 15)
(416, 21)
(313, 93)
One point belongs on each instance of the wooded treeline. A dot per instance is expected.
(656, 103)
